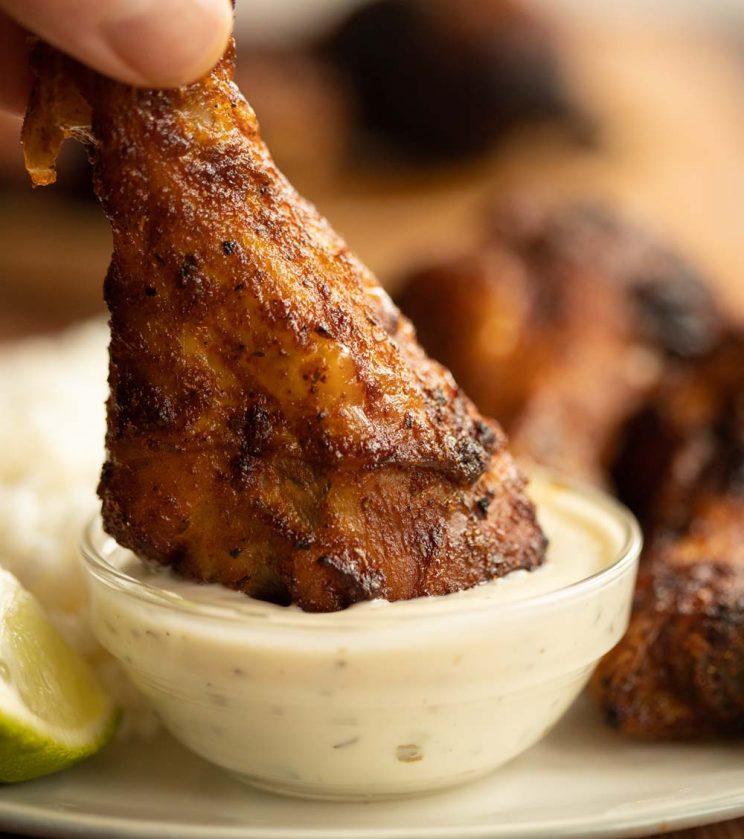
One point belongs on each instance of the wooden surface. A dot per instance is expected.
(672, 157)
(724, 830)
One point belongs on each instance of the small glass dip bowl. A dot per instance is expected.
(383, 699)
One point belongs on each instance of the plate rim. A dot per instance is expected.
(32, 820)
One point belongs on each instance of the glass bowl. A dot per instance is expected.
(383, 699)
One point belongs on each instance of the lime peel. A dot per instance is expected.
(53, 712)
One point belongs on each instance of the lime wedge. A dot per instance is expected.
(53, 713)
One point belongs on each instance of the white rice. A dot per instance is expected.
(52, 424)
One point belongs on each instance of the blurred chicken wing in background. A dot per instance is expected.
(559, 324)
(679, 672)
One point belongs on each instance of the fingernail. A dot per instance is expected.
(166, 43)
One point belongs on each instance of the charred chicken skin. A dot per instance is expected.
(559, 324)
(273, 424)
(679, 672)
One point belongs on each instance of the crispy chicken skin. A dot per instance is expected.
(679, 672)
(273, 424)
(558, 325)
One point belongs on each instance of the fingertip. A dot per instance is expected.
(166, 43)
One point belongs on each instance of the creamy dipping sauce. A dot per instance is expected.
(383, 698)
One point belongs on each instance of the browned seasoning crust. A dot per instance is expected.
(558, 324)
(273, 424)
(679, 672)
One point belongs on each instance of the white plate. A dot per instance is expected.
(582, 780)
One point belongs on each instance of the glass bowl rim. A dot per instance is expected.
(96, 546)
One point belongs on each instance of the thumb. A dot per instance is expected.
(153, 43)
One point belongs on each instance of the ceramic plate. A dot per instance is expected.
(582, 780)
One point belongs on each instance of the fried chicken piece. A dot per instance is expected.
(679, 672)
(273, 424)
(687, 443)
(445, 79)
(559, 324)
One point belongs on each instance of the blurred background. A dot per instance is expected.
(403, 120)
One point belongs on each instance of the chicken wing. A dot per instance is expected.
(455, 78)
(679, 672)
(273, 424)
(558, 325)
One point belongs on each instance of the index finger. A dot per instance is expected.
(152, 43)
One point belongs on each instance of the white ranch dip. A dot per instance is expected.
(383, 698)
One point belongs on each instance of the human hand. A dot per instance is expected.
(152, 43)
